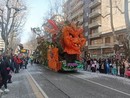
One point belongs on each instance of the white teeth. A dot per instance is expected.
(77, 45)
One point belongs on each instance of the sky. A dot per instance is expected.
(36, 10)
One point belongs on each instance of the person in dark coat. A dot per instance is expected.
(25, 62)
(9, 69)
(102, 66)
(122, 69)
(4, 73)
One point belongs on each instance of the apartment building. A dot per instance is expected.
(101, 39)
(97, 23)
(86, 19)
(73, 10)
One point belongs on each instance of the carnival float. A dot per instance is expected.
(64, 50)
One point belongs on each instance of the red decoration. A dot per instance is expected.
(53, 24)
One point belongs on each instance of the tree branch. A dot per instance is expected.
(105, 15)
(7, 4)
(119, 10)
(18, 23)
(2, 25)
(12, 23)
(8, 19)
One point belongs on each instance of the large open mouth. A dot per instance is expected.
(76, 45)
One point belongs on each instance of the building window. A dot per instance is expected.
(107, 40)
(97, 19)
(120, 38)
(86, 14)
(96, 42)
(95, 30)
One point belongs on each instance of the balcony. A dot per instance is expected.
(77, 6)
(80, 19)
(94, 24)
(86, 33)
(73, 2)
(86, 24)
(107, 45)
(96, 46)
(78, 13)
(95, 3)
(95, 13)
(94, 35)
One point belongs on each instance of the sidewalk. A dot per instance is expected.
(22, 86)
(90, 74)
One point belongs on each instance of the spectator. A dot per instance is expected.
(114, 69)
(89, 64)
(18, 61)
(107, 66)
(25, 62)
(4, 73)
(93, 67)
(122, 68)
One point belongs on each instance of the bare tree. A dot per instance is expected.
(15, 43)
(111, 17)
(127, 22)
(32, 43)
(18, 29)
(9, 21)
(126, 38)
(111, 20)
(115, 36)
(56, 6)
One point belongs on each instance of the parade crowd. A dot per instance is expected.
(108, 66)
(8, 65)
(13, 64)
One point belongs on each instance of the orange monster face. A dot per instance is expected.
(73, 39)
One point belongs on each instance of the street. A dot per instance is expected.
(64, 35)
(41, 82)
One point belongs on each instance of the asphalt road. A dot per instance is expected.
(80, 84)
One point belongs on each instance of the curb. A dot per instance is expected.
(42, 92)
